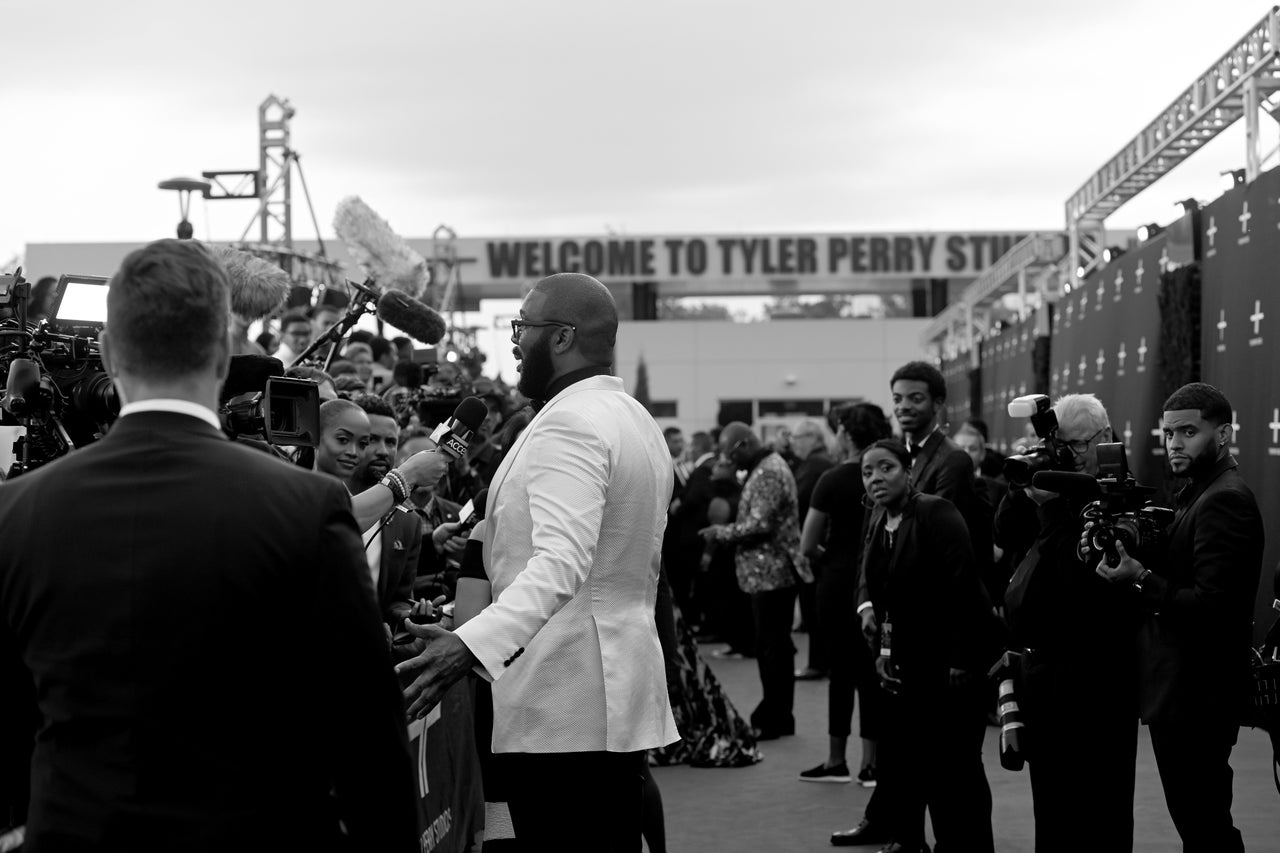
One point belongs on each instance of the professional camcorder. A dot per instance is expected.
(1120, 509)
(55, 385)
(1049, 454)
(54, 382)
(259, 404)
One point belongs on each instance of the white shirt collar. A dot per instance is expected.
(180, 407)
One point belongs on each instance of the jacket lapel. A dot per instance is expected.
(920, 465)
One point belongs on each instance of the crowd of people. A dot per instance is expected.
(601, 552)
(916, 540)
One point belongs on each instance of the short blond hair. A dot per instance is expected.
(1085, 409)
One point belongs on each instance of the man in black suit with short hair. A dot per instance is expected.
(1198, 603)
(148, 584)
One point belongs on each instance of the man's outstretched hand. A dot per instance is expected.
(443, 660)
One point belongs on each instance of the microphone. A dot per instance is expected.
(481, 498)
(411, 316)
(381, 253)
(248, 374)
(258, 287)
(453, 436)
(1067, 483)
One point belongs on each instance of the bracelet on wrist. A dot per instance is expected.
(395, 481)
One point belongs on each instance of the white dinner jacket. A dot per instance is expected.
(573, 540)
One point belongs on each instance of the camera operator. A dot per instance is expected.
(1076, 692)
(1197, 606)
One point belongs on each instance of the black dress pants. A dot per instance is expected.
(811, 616)
(851, 665)
(1082, 748)
(1195, 771)
(776, 657)
(932, 753)
(576, 802)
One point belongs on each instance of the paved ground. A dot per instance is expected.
(764, 808)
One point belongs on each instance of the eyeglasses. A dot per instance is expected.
(1081, 446)
(518, 326)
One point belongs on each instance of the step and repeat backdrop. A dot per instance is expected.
(1128, 334)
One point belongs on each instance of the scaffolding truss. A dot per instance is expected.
(1243, 82)
(1025, 269)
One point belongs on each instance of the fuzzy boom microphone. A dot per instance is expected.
(411, 317)
(381, 253)
(258, 287)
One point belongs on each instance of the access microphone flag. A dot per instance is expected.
(453, 436)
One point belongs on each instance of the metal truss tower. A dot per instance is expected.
(1245, 80)
(275, 159)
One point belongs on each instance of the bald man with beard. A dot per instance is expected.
(576, 514)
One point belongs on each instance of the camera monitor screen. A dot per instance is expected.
(80, 300)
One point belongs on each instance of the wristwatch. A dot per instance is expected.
(1142, 578)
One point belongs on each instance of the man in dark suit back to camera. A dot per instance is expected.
(147, 583)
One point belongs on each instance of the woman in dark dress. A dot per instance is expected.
(713, 733)
(832, 539)
(919, 594)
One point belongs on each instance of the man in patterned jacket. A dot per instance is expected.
(770, 569)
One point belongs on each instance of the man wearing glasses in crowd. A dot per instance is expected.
(1078, 691)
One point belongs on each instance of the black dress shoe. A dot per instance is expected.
(863, 834)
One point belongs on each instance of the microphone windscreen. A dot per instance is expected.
(249, 374)
(381, 253)
(410, 316)
(471, 413)
(258, 287)
(1067, 483)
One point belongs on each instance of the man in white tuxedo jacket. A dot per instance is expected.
(573, 541)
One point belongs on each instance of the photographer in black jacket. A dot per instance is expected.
(1197, 615)
(1077, 693)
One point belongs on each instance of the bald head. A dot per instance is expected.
(586, 304)
(737, 432)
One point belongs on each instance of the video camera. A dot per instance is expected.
(1120, 510)
(54, 383)
(1049, 454)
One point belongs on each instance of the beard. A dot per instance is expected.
(1200, 465)
(536, 371)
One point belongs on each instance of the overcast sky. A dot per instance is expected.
(574, 117)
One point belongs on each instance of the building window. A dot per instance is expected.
(805, 408)
(663, 408)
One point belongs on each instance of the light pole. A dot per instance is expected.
(185, 187)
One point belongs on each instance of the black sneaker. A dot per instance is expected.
(867, 777)
(823, 773)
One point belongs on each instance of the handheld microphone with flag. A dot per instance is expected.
(453, 436)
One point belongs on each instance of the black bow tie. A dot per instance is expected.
(915, 450)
